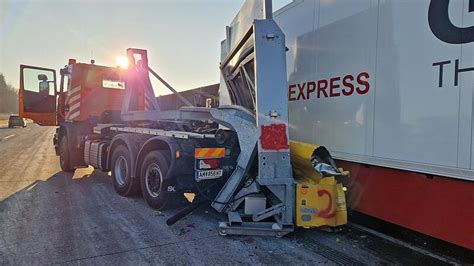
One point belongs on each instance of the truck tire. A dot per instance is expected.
(124, 184)
(153, 173)
(64, 156)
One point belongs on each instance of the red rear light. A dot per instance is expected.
(203, 164)
(214, 163)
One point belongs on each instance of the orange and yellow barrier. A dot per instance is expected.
(209, 152)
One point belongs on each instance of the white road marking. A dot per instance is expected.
(9, 136)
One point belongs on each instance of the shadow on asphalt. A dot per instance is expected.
(86, 196)
(62, 182)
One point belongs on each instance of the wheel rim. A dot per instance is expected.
(121, 170)
(153, 180)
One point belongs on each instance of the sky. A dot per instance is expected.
(182, 36)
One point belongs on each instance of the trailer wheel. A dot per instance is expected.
(64, 157)
(121, 168)
(153, 174)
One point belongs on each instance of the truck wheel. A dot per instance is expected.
(64, 158)
(153, 173)
(124, 184)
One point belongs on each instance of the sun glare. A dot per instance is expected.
(121, 61)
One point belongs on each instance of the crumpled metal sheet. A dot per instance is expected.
(306, 158)
(326, 169)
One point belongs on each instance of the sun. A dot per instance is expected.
(121, 62)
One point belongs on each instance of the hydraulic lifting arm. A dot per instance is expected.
(254, 70)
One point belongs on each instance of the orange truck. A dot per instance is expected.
(89, 102)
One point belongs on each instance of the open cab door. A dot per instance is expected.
(37, 95)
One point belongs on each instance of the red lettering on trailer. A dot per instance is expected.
(363, 82)
(308, 90)
(321, 88)
(301, 93)
(332, 86)
(291, 92)
(347, 82)
(329, 88)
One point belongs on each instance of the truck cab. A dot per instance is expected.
(87, 95)
(86, 91)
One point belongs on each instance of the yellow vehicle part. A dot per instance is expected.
(301, 161)
(319, 201)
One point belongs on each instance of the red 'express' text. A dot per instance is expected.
(333, 87)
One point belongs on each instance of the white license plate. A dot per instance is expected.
(208, 174)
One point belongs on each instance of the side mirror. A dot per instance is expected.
(44, 86)
(42, 77)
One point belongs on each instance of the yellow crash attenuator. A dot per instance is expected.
(320, 201)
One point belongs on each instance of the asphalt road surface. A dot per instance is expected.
(48, 216)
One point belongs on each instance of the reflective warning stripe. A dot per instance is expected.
(73, 91)
(74, 115)
(209, 152)
(74, 107)
(73, 99)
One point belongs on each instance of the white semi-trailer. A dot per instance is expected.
(387, 86)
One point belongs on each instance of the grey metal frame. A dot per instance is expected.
(271, 107)
(264, 43)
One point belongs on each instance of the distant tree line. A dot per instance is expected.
(8, 97)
